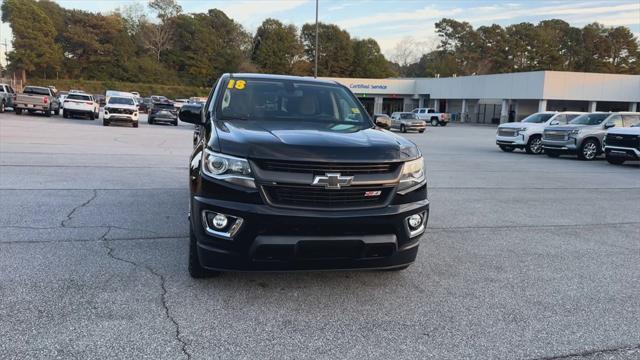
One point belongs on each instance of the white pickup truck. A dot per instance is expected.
(432, 117)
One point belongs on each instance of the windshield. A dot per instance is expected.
(280, 99)
(121, 101)
(78, 97)
(589, 119)
(407, 116)
(35, 90)
(537, 118)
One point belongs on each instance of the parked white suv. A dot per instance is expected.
(78, 104)
(527, 134)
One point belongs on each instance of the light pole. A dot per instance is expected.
(315, 70)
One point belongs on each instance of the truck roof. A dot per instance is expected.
(281, 77)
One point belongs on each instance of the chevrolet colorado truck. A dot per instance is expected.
(291, 173)
(37, 98)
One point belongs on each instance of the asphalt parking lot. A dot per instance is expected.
(526, 257)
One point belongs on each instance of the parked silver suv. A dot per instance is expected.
(583, 135)
(527, 134)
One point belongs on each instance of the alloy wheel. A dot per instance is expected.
(536, 145)
(589, 151)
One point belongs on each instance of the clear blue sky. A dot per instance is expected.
(389, 21)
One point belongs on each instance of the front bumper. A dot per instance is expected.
(293, 239)
(120, 117)
(568, 146)
(518, 141)
(622, 152)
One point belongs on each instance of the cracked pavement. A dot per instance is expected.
(526, 258)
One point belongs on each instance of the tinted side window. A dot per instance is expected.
(630, 120)
(571, 117)
(423, 111)
(616, 119)
(431, 111)
(561, 118)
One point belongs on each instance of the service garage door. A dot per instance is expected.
(391, 105)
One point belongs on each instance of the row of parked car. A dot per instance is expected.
(586, 135)
(118, 106)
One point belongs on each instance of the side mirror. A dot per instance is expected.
(191, 113)
(383, 122)
(609, 124)
(554, 123)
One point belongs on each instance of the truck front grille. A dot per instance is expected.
(322, 168)
(628, 141)
(506, 132)
(313, 197)
(120, 111)
(555, 135)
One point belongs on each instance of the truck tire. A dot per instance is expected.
(403, 128)
(65, 114)
(150, 120)
(443, 123)
(48, 113)
(175, 123)
(2, 106)
(506, 148)
(92, 116)
(18, 111)
(420, 131)
(195, 268)
(588, 150)
(615, 161)
(135, 124)
(105, 123)
(434, 121)
(534, 145)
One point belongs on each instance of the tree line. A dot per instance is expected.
(162, 44)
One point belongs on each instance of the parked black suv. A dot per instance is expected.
(290, 173)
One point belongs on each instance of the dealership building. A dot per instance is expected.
(500, 97)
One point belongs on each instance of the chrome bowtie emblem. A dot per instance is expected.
(332, 180)
(619, 138)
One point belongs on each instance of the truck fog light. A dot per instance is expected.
(219, 221)
(415, 221)
(221, 225)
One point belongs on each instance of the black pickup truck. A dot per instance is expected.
(290, 173)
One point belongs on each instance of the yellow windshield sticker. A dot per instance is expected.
(355, 110)
(236, 84)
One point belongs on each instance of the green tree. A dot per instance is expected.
(368, 61)
(335, 53)
(276, 47)
(623, 56)
(493, 43)
(208, 45)
(34, 48)
(461, 39)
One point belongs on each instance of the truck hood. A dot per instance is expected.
(521, 125)
(568, 127)
(121, 106)
(625, 130)
(310, 141)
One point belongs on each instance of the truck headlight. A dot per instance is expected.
(574, 132)
(227, 168)
(521, 130)
(412, 175)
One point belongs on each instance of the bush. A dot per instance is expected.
(100, 87)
